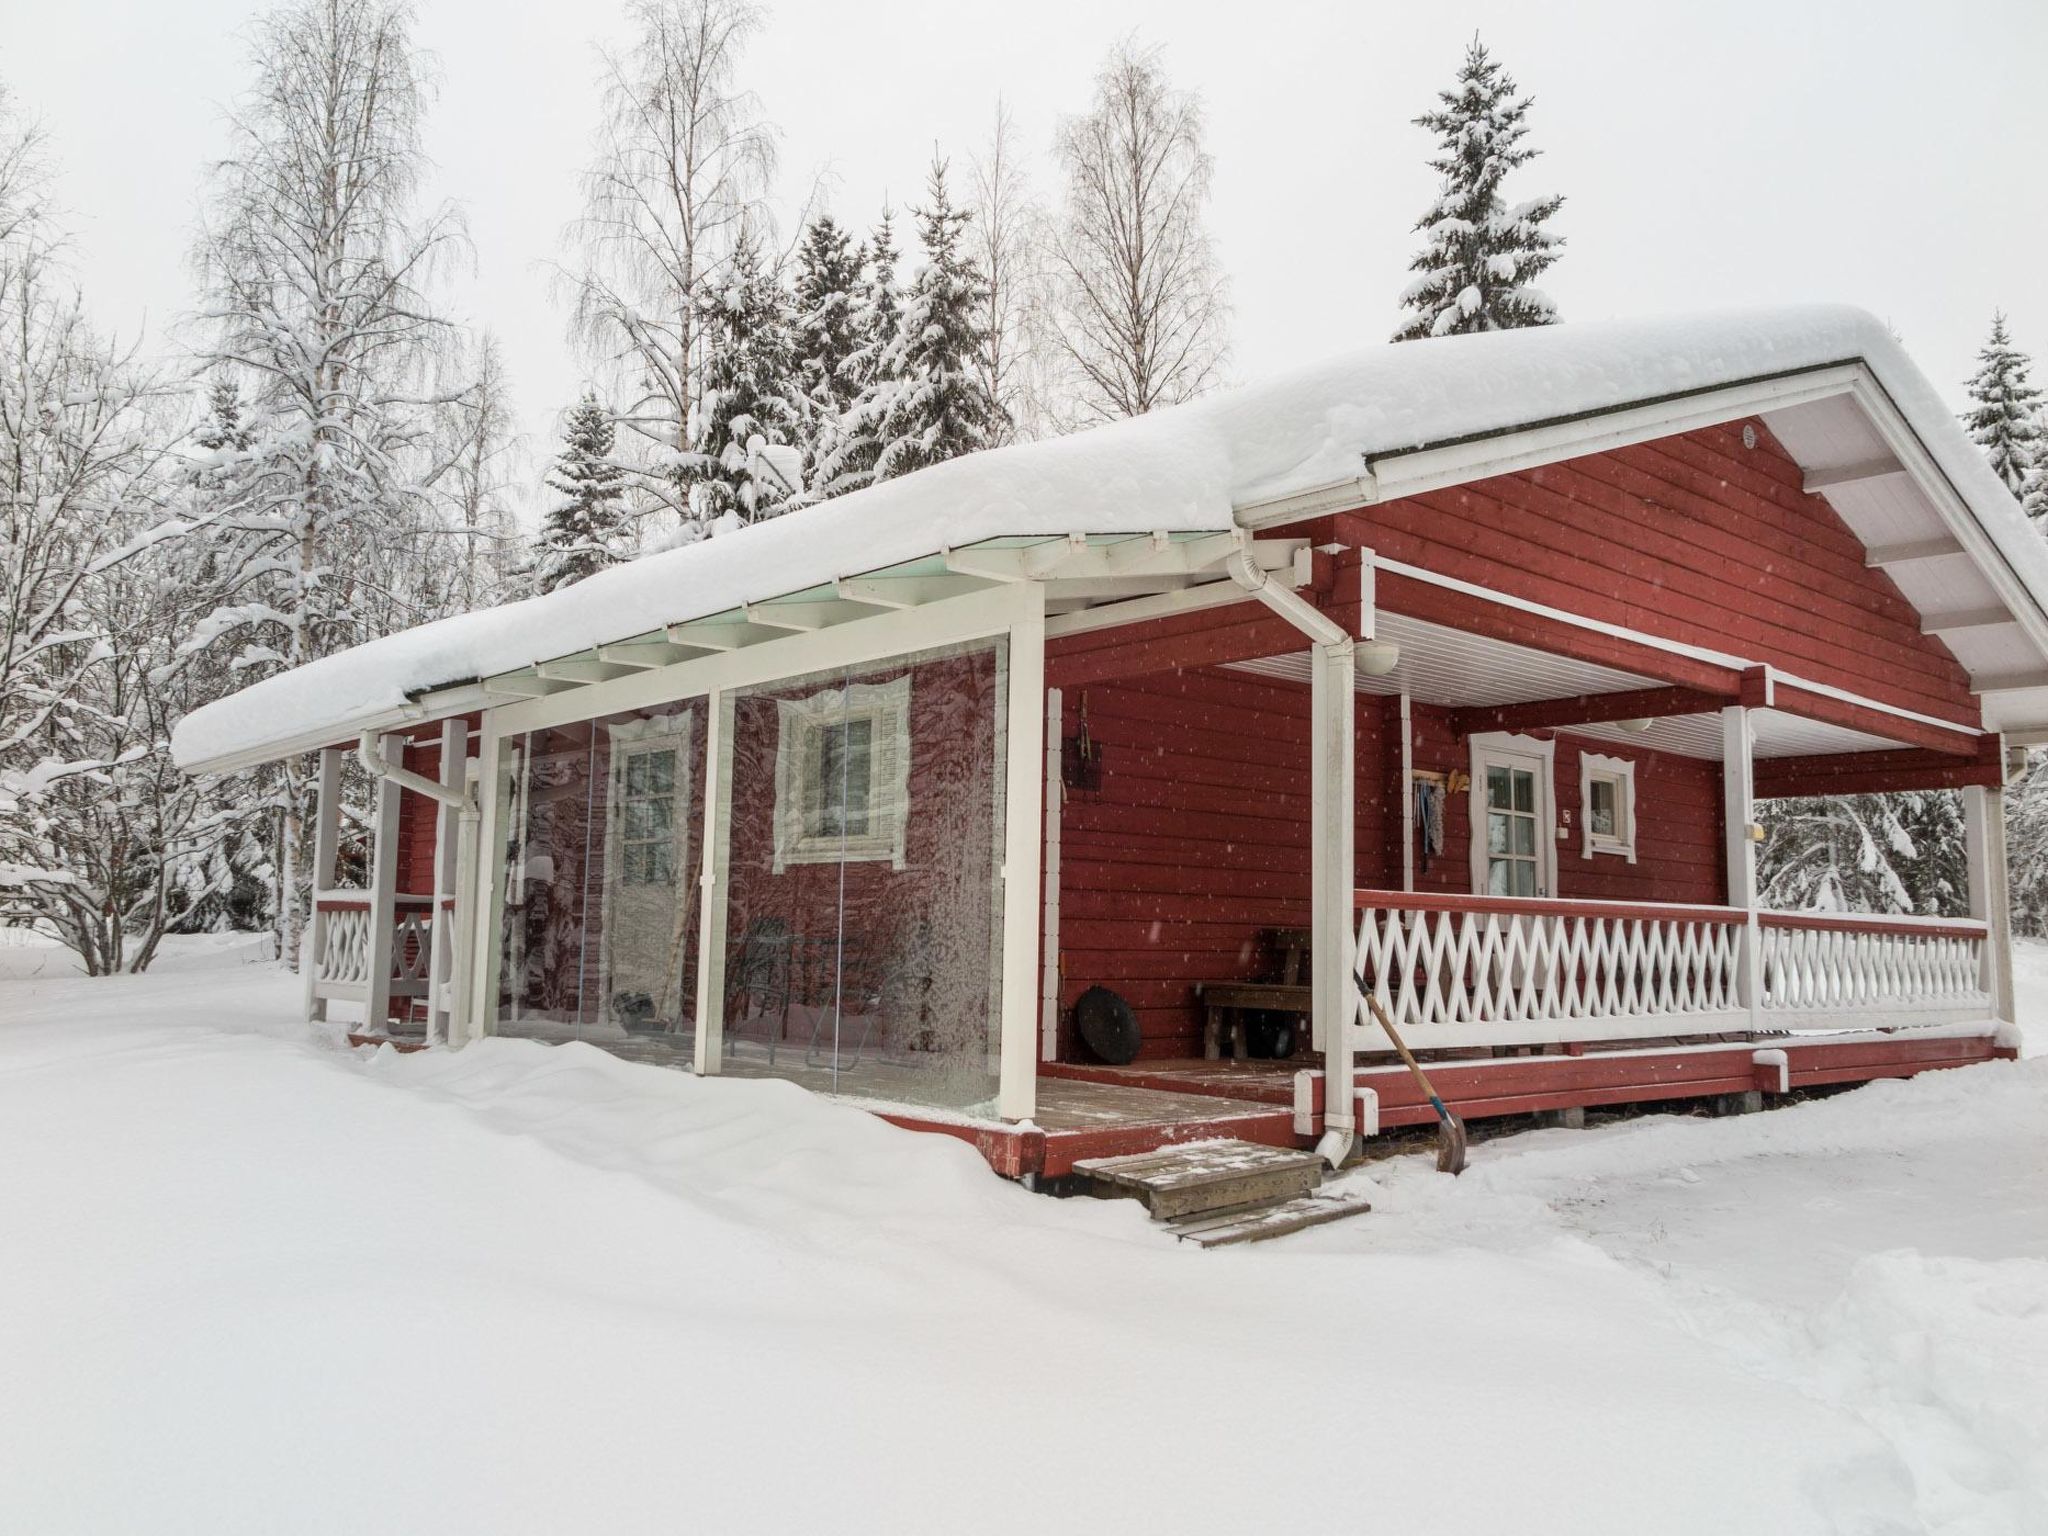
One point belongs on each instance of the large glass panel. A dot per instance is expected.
(599, 930)
(862, 825)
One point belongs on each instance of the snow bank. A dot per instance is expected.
(256, 1282)
(1180, 470)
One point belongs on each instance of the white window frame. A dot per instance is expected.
(1621, 771)
(1495, 746)
(887, 707)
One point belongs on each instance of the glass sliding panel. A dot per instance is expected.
(599, 931)
(863, 921)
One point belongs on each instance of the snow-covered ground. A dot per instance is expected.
(251, 1281)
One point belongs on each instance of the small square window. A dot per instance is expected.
(1607, 808)
(841, 771)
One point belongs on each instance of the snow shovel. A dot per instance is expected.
(1450, 1130)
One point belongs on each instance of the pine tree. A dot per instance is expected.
(936, 404)
(826, 334)
(750, 399)
(1898, 852)
(588, 529)
(848, 463)
(2005, 416)
(1474, 272)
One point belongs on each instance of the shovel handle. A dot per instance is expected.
(1380, 1017)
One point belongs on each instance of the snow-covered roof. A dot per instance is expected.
(1191, 469)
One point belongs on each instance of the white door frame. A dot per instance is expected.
(1512, 750)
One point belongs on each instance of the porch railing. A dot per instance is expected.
(1848, 969)
(1474, 970)
(338, 951)
(1477, 970)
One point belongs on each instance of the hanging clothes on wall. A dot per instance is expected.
(1429, 820)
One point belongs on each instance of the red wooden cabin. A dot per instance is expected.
(1464, 662)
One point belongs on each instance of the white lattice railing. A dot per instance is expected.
(1853, 969)
(1465, 970)
(340, 946)
(412, 949)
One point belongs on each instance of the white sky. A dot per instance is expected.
(1884, 152)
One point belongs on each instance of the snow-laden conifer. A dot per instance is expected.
(750, 403)
(934, 402)
(1482, 254)
(2004, 418)
(826, 329)
(847, 461)
(588, 526)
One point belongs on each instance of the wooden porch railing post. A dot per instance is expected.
(1024, 828)
(1984, 855)
(383, 890)
(1738, 812)
(326, 840)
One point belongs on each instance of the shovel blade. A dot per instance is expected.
(1450, 1144)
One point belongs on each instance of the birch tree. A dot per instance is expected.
(318, 276)
(1007, 236)
(683, 161)
(1141, 311)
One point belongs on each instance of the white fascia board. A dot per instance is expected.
(1389, 476)
(440, 704)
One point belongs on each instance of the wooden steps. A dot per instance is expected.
(1214, 1193)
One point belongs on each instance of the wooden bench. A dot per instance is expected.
(1225, 1003)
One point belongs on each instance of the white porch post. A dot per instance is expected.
(448, 903)
(383, 890)
(714, 846)
(480, 889)
(326, 837)
(1023, 829)
(1333, 944)
(1738, 814)
(1984, 853)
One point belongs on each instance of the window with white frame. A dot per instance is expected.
(1607, 805)
(842, 775)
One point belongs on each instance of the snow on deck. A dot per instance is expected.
(254, 1281)
(1179, 470)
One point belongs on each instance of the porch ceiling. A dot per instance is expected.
(1452, 668)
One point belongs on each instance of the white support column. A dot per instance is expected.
(714, 841)
(326, 838)
(484, 888)
(1738, 814)
(1333, 942)
(1024, 828)
(1049, 940)
(1984, 854)
(447, 833)
(383, 889)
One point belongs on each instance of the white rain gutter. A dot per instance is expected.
(1334, 662)
(468, 825)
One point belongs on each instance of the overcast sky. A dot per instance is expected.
(1889, 153)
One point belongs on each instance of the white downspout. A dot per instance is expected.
(1333, 944)
(469, 820)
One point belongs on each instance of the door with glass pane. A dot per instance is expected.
(1516, 830)
(647, 916)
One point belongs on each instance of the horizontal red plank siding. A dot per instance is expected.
(1696, 538)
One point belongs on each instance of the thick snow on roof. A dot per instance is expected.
(1179, 470)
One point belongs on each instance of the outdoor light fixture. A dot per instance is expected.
(1635, 727)
(1376, 658)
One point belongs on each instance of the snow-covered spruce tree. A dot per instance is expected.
(848, 462)
(1482, 254)
(2026, 847)
(683, 161)
(588, 528)
(934, 402)
(317, 298)
(2004, 418)
(750, 400)
(1140, 314)
(1864, 853)
(826, 332)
